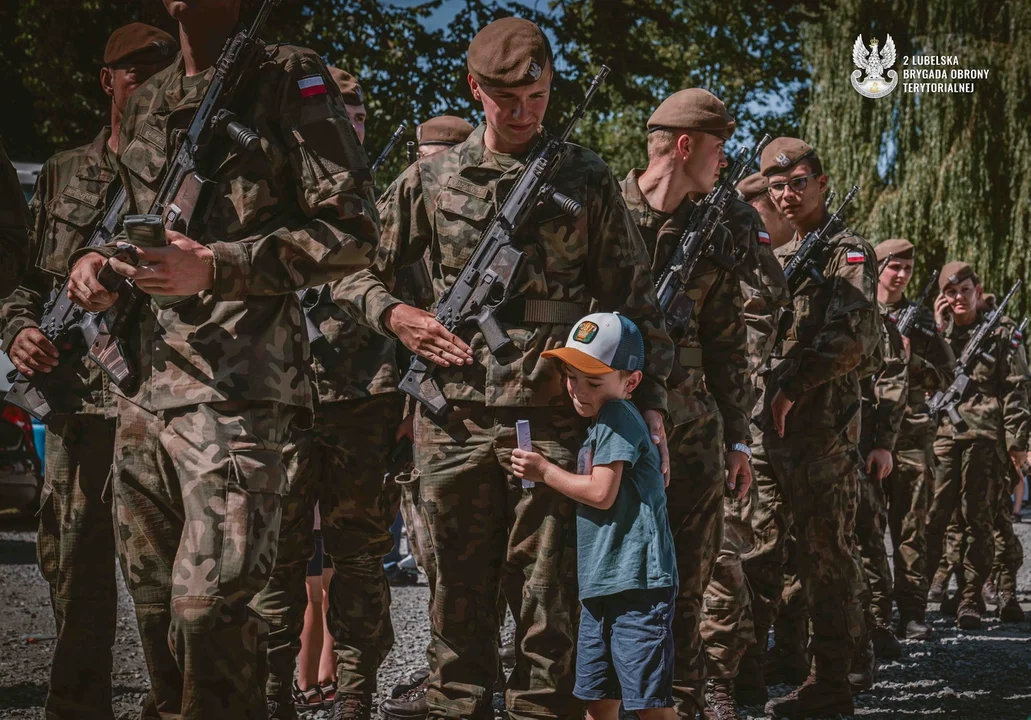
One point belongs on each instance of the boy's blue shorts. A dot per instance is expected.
(625, 649)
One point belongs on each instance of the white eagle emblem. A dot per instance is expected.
(874, 63)
(534, 70)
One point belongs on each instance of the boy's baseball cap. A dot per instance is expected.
(601, 343)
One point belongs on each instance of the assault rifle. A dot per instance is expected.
(485, 283)
(906, 320)
(696, 240)
(70, 328)
(949, 400)
(389, 146)
(183, 195)
(811, 258)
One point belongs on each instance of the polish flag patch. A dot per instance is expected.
(311, 86)
(764, 238)
(854, 256)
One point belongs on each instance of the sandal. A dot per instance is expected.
(310, 699)
(329, 691)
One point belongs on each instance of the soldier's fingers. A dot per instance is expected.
(40, 358)
(123, 268)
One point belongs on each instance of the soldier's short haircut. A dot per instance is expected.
(662, 142)
(813, 161)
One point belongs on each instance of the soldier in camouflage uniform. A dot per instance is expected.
(767, 295)
(968, 463)
(907, 488)
(1009, 553)
(338, 466)
(884, 405)
(810, 424)
(76, 544)
(487, 533)
(14, 223)
(199, 446)
(710, 387)
(354, 100)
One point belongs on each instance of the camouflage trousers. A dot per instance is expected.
(340, 464)
(871, 524)
(819, 479)
(1009, 553)
(197, 509)
(694, 501)
(964, 483)
(908, 490)
(76, 553)
(487, 535)
(765, 562)
(727, 627)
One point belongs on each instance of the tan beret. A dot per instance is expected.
(138, 39)
(896, 246)
(509, 52)
(783, 154)
(693, 109)
(349, 87)
(752, 186)
(443, 130)
(954, 273)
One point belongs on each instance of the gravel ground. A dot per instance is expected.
(985, 674)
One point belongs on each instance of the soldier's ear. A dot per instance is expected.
(822, 180)
(684, 144)
(474, 87)
(107, 81)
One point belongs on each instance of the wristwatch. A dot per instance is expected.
(741, 447)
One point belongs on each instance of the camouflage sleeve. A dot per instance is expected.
(24, 307)
(1014, 398)
(14, 222)
(849, 332)
(935, 362)
(405, 236)
(890, 391)
(619, 279)
(334, 191)
(766, 293)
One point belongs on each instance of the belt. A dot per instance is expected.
(541, 312)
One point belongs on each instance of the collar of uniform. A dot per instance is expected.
(96, 151)
(174, 96)
(644, 214)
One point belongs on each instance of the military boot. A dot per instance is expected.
(409, 705)
(719, 694)
(351, 706)
(968, 616)
(990, 592)
(949, 605)
(750, 687)
(786, 665)
(936, 593)
(885, 645)
(814, 699)
(864, 668)
(1009, 609)
(280, 710)
(911, 627)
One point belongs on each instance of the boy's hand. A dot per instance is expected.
(528, 465)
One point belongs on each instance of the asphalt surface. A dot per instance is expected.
(984, 674)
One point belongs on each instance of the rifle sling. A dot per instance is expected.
(541, 312)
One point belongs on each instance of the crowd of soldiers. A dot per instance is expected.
(203, 480)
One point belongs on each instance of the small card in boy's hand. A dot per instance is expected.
(523, 441)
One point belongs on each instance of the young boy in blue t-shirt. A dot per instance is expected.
(625, 559)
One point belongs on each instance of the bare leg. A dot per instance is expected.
(603, 710)
(328, 661)
(657, 714)
(311, 635)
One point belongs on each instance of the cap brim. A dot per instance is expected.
(578, 359)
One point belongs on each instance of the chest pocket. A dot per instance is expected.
(70, 219)
(145, 155)
(462, 213)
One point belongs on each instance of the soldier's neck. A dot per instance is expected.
(663, 187)
(887, 297)
(116, 128)
(202, 38)
(496, 144)
(812, 223)
(968, 318)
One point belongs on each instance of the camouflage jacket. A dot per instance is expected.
(885, 393)
(833, 339)
(14, 221)
(710, 369)
(762, 282)
(931, 363)
(71, 197)
(297, 213)
(995, 405)
(442, 203)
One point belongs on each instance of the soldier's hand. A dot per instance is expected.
(406, 429)
(657, 429)
(83, 287)
(879, 464)
(181, 268)
(31, 352)
(1018, 457)
(739, 473)
(941, 311)
(908, 348)
(420, 332)
(779, 407)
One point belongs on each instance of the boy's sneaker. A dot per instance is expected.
(814, 699)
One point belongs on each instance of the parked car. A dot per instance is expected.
(21, 466)
(27, 174)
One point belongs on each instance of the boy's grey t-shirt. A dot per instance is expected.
(630, 545)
